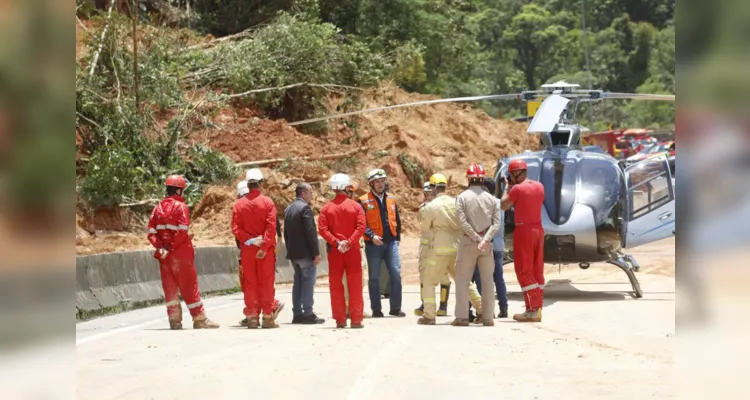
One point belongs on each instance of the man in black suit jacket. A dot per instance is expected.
(301, 237)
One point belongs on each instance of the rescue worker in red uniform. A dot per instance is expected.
(528, 237)
(341, 224)
(168, 233)
(242, 190)
(254, 225)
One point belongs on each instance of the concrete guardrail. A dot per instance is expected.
(106, 281)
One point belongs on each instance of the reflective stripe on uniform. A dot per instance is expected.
(152, 231)
(429, 300)
(173, 303)
(430, 261)
(161, 227)
(445, 250)
(424, 241)
(183, 227)
(530, 287)
(194, 305)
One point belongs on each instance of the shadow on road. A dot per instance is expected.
(561, 290)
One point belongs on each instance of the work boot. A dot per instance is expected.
(477, 319)
(377, 314)
(445, 291)
(341, 325)
(269, 322)
(460, 322)
(243, 322)
(488, 323)
(529, 316)
(357, 326)
(419, 311)
(297, 319)
(397, 313)
(175, 325)
(503, 313)
(426, 321)
(253, 323)
(204, 323)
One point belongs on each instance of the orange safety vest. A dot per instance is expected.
(372, 214)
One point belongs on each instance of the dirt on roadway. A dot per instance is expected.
(596, 341)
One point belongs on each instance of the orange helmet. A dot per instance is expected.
(176, 181)
(475, 171)
(516, 165)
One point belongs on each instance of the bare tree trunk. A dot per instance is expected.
(135, 57)
(101, 41)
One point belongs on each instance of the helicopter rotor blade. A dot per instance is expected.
(638, 96)
(418, 103)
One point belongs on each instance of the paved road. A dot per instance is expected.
(595, 341)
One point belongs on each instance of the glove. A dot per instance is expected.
(257, 241)
(161, 253)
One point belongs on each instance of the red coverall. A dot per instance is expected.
(255, 215)
(168, 228)
(528, 241)
(344, 219)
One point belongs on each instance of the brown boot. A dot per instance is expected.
(253, 323)
(175, 325)
(488, 323)
(204, 324)
(340, 325)
(269, 322)
(529, 316)
(478, 319)
(426, 321)
(357, 326)
(460, 322)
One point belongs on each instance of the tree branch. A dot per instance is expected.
(280, 160)
(324, 86)
(139, 203)
(101, 41)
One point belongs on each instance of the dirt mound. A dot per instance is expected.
(442, 138)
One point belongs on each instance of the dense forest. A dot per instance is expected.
(443, 47)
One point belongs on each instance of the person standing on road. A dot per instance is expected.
(301, 238)
(242, 190)
(498, 252)
(382, 238)
(528, 237)
(342, 224)
(254, 225)
(351, 193)
(168, 233)
(479, 219)
(424, 238)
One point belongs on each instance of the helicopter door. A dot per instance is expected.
(651, 202)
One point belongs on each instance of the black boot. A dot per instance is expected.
(445, 291)
(503, 313)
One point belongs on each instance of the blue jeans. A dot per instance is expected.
(305, 273)
(375, 255)
(502, 292)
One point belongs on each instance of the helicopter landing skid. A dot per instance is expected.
(630, 272)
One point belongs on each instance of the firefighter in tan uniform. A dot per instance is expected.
(479, 216)
(440, 218)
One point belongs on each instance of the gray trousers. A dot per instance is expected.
(467, 260)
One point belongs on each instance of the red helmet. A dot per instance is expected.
(176, 181)
(516, 165)
(475, 171)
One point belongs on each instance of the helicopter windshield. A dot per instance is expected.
(599, 187)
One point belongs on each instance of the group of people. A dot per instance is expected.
(461, 239)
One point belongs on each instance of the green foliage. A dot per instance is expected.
(416, 172)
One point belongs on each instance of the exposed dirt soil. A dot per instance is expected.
(442, 138)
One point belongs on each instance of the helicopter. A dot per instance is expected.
(595, 207)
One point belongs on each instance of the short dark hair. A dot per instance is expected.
(253, 185)
(301, 188)
(489, 183)
(172, 190)
(439, 189)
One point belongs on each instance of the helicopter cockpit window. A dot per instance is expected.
(649, 187)
(600, 187)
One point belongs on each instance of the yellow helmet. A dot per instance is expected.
(438, 179)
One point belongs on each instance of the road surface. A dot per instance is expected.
(595, 341)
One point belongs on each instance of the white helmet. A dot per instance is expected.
(377, 173)
(426, 187)
(254, 175)
(242, 188)
(340, 181)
